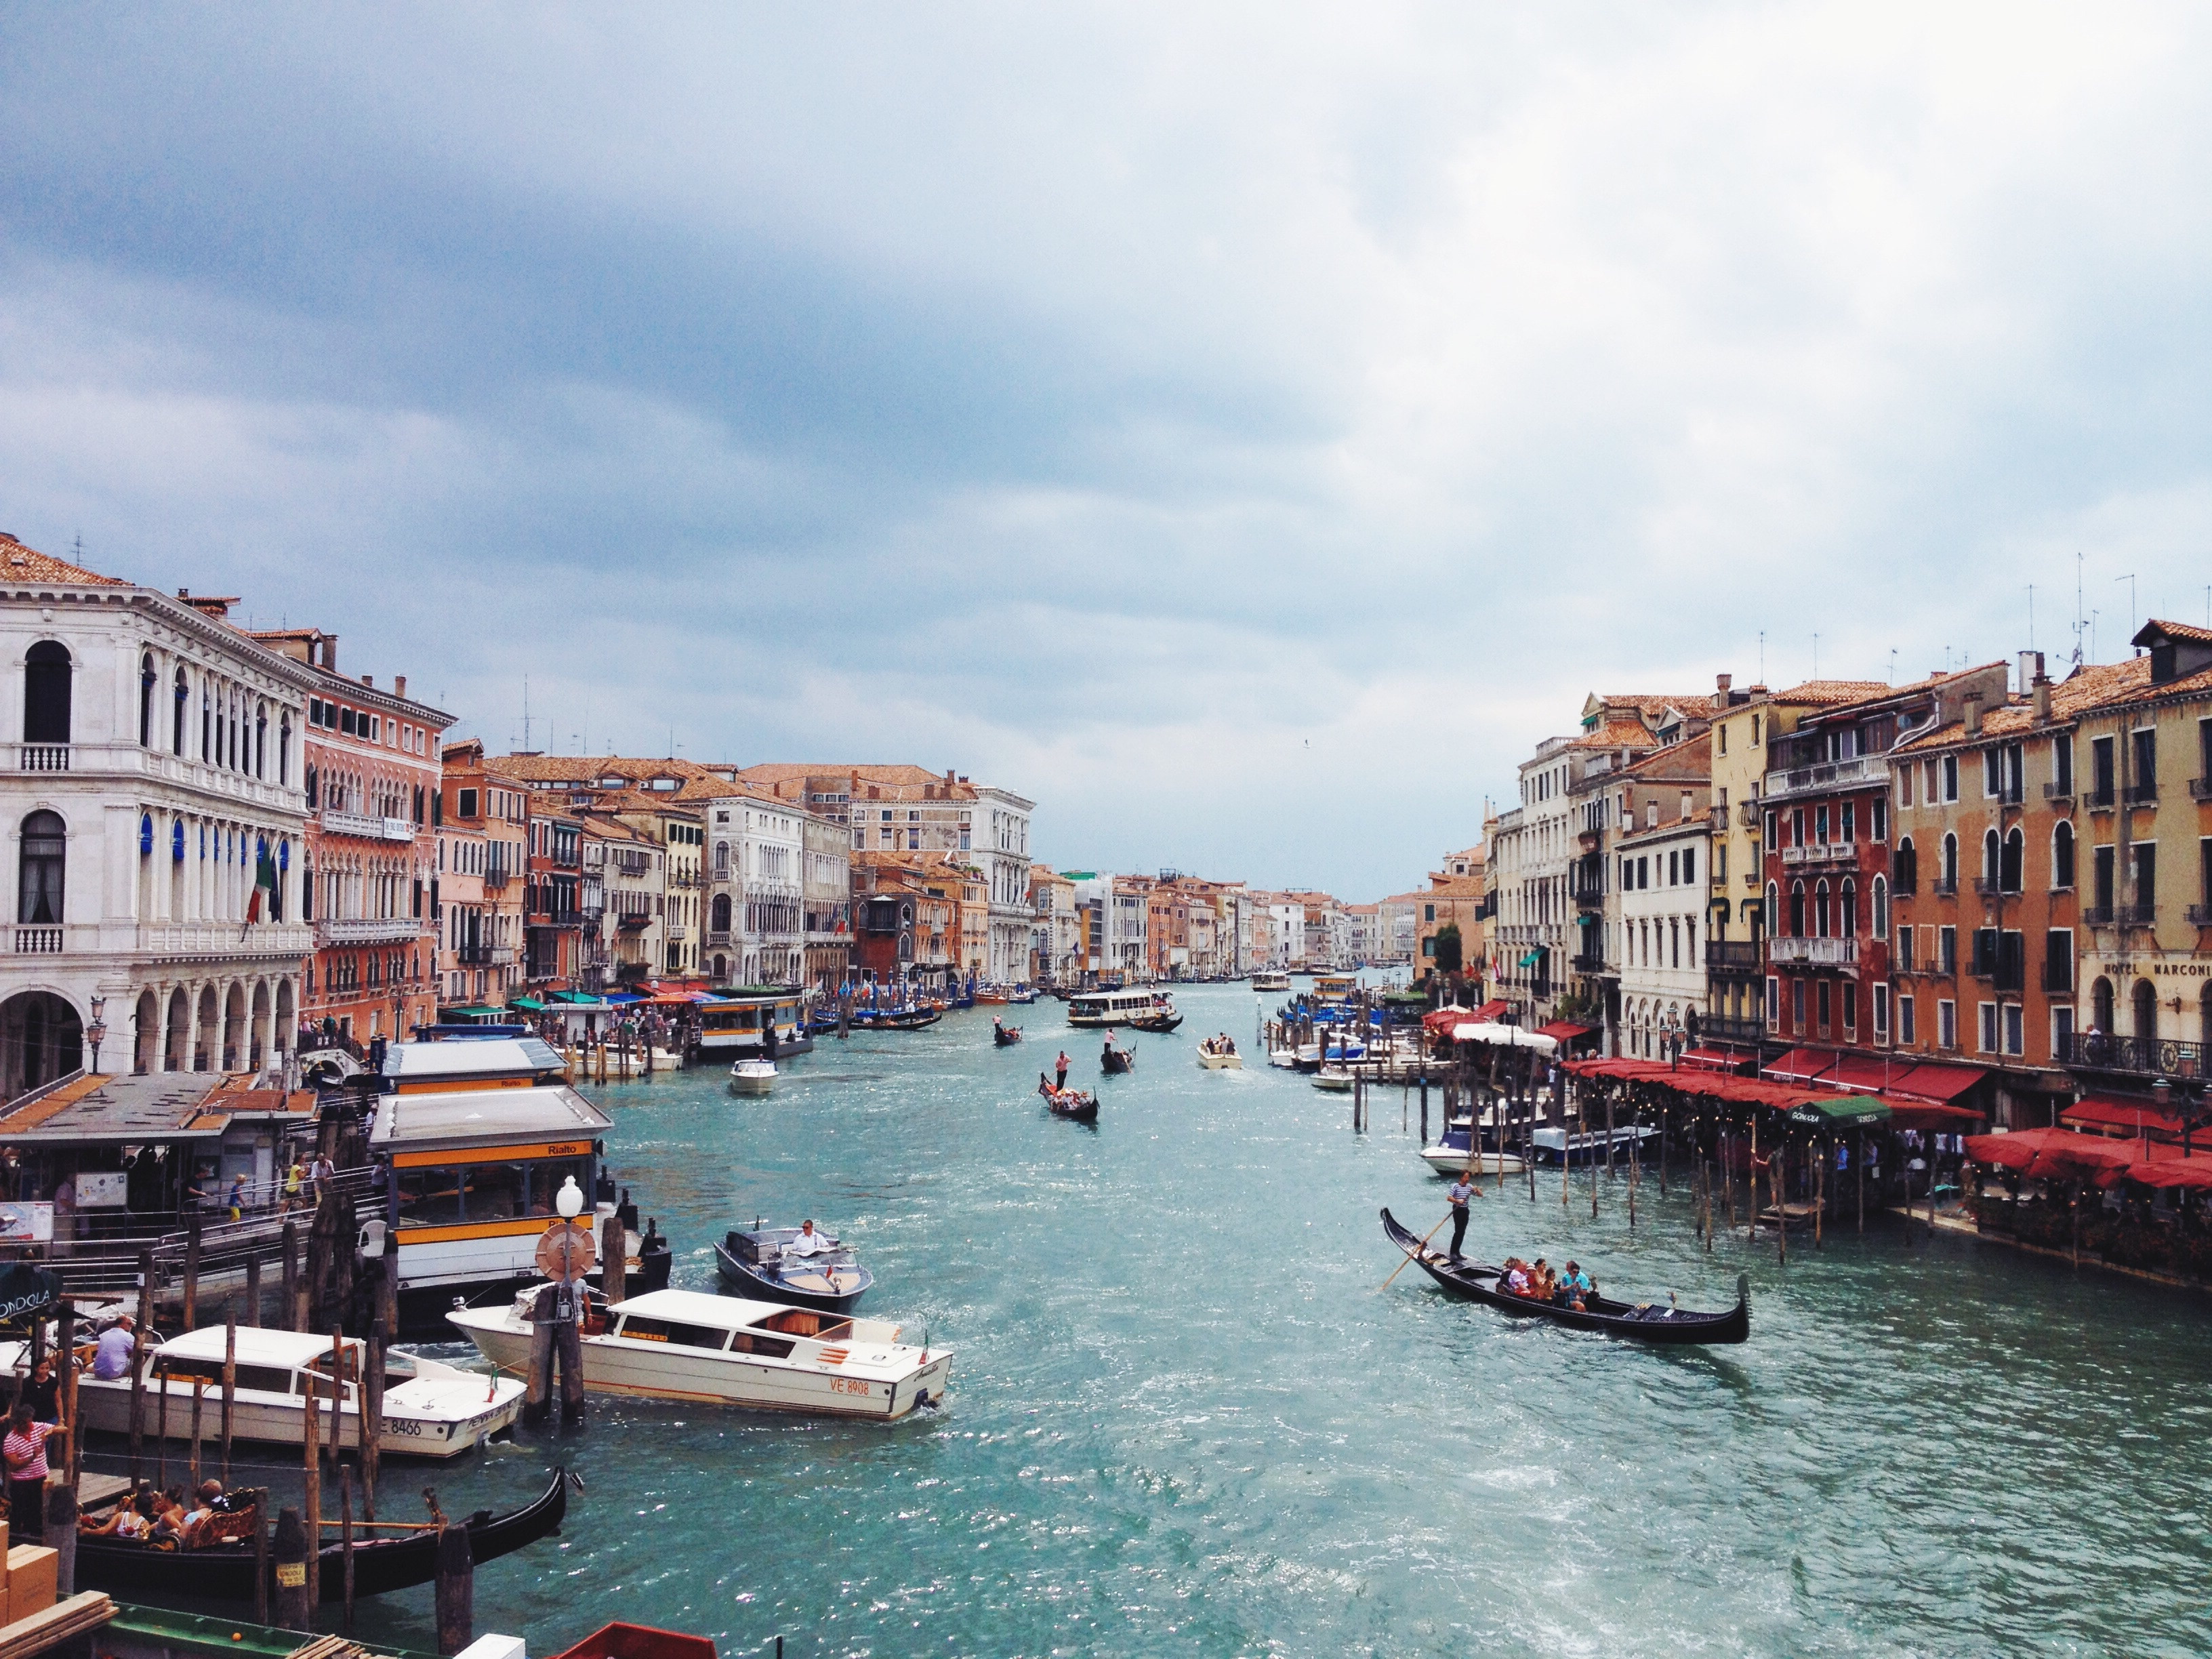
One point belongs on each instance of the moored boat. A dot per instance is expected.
(430, 1409)
(764, 1264)
(1644, 1321)
(720, 1350)
(1335, 1079)
(224, 1571)
(1455, 1152)
(1554, 1143)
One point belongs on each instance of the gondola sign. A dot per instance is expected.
(565, 1253)
(24, 1290)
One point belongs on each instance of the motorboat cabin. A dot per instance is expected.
(720, 1350)
(736, 1022)
(1095, 1009)
(430, 1409)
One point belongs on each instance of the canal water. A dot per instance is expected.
(1184, 1419)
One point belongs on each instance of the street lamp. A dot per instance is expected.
(97, 1030)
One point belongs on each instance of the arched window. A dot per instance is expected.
(721, 858)
(1820, 910)
(1950, 860)
(721, 923)
(313, 779)
(207, 722)
(2061, 854)
(1847, 925)
(1880, 908)
(2145, 1010)
(146, 679)
(2100, 1007)
(261, 741)
(45, 853)
(1796, 909)
(1773, 911)
(1990, 856)
(177, 719)
(46, 693)
(284, 747)
(2009, 862)
(1906, 866)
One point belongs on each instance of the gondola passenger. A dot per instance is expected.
(1574, 1287)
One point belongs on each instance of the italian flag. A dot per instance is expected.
(264, 902)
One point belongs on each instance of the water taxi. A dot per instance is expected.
(1220, 1054)
(1127, 1007)
(752, 1077)
(1264, 983)
(718, 1350)
(430, 1409)
(473, 1141)
(735, 1022)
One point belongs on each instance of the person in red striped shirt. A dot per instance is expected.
(25, 1454)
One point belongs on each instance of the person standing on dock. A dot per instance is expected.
(1461, 1190)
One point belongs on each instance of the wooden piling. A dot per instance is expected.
(261, 1557)
(161, 1426)
(538, 1390)
(65, 1341)
(59, 1525)
(311, 1496)
(140, 1339)
(253, 1290)
(199, 1396)
(294, 1609)
(1820, 1193)
(1861, 1163)
(345, 1540)
(193, 1223)
(456, 1591)
(372, 1416)
(1777, 1183)
(614, 1260)
(230, 1386)
(569, 1345)
(288, 1309)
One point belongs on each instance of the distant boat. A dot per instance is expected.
(1335, 1079)
(1266, 982)
(752, 1077)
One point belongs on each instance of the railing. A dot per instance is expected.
(1827, 775)
(2199, 915)
(632, 864)
(336, 823)
(2150, 1056)
(1750, 814)
(2200, 789)
(1944, 886)
(225, 938)
(1725, 1028)
(1587, 898)
(46, 757)
(2144, 794)
(497, 875)
(1736, 953)
(1814, 952)
(2058, 791)
(718, 936)
(2100, 797)
(677, 935)
(1589, 964)
(368, 930)
(2120, 916)
(633, 918)
(472, 956)
(1751, 880)
(38, 941)
(1985, 885)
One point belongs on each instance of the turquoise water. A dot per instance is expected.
(1184, 1420)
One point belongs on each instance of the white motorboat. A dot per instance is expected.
(1447, 1159)
(719, 1349)
(1285, 1058)
(430, 1409)
(1555, 1145)
(752, 1077)
(1218, 1059)
(1335, 1079)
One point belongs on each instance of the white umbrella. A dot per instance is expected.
(1512, 1035)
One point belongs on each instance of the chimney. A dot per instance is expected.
(1721, 683)
(399, 686)
(1974, 714)
(331, 653)
(369, 680)
(2039, 689)
(948, 777)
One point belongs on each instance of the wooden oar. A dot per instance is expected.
(1407, 1262)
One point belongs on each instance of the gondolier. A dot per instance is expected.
(1060, 1067)
(1461, 1190)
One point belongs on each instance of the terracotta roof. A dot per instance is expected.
(1822, 693)
(2177, 631)
(2198, 684)
(2086, 688)
(1452, 887)
(1692, 758)
(19, 563)
(1617, 734)
(1692, 702)
(770, 773)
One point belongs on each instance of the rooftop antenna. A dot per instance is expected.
(2030, 615)
(2131, 581)
(1762, 656)
(526, 712)
(1893, 664)
(1816, 656)
(2078, 623)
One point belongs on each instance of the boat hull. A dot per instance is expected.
(225, 1572)
(1221, 1062)
(740, 1276)
(647, 1370)
(1451, 1160)
(1474, 1283)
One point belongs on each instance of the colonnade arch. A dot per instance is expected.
(239, 1023)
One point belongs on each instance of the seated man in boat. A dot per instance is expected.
(1574, 1287)
(809, 1242)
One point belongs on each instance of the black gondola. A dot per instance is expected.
(753, 1264)
(1006, 1036)
(1160, 1023)
(1113, 1061)
(224, 1572)
(908, 1019)
(1072, 1103)
(1649, 1323)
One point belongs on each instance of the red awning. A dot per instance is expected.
(2174, 1170)
(1863, 1074)
(2135, 1117)
(1563, 1030)
(2049, 1152)
(1930, 1117)
(1799, 1065)
(1440, 1021)
(1491, 1011)
(1936, 1083)
(1716, 1059)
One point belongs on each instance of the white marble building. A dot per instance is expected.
(151, 755)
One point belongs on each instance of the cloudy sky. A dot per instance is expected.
(1246, 429)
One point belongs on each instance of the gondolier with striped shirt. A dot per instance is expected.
(1461, 1190)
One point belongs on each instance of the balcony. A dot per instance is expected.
(632, 864)
(1828, 852)
(1751, 880)
(367, 930)
(1742, 956)
(216, 941)
(1588, 898)
(44, 757)
(2142, 794)
(2059, 791)
(1722, 1027)
(2198, 915)
(1813, 953)
(718, 938)
(1944, 887)
(2120, 916)
(1589, 964)
(2100, 797)
(472, 956)
(336, 822)
(2145, 1056)
(677, 935)
(2200, 789)
(1861, 772)
(631, 920)
(497, 875)
(1750, 813)
(1985, 885)
(38, 941)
